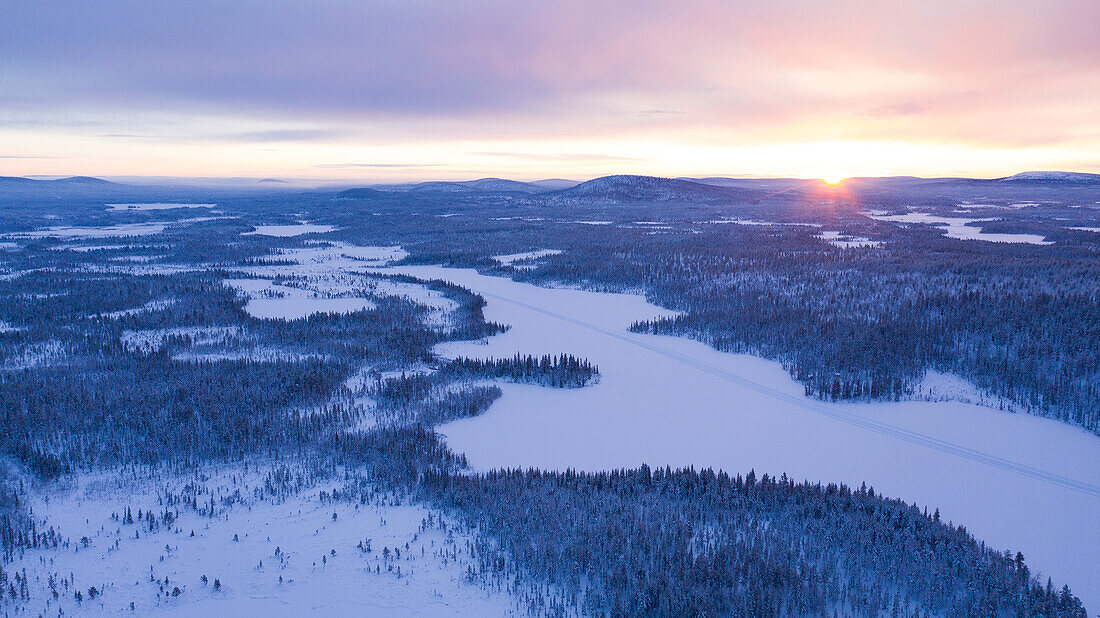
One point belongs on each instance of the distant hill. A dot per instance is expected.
(556, 183)
(72, 187)
(489, 185)
(1050, 178)
(770, 184)
(361, 193)
(628, 188)
(55, 182)
(82, 180)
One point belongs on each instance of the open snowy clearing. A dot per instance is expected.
(153, 305)
(271, 556)
(845, 241)
(146, 341)
(736, 221)
(1016, 481)
(269, 300)
(155, 206)
(332, 272)
(961, 228)
(512, 258)
(41, 354)
(285, 231)
(107, 231)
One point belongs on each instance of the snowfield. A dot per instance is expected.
(155, 206)
(107, 231)
(845, 241)
(269, 300)
(961, 228)
(512, 258)
(330, 278)
(290, 230)
(273, 556)
(1016, 481)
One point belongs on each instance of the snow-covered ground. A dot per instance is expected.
(102, 231)
(737, 221)
(290, 230)
(107, 231)
(153, 305)
(268, 300)
(329, 277)
(290, 555)
(512, 258)
(155, 206)
(961, 227)
(845, 241)
(31, 355)
(1016, 481)
(150, 340)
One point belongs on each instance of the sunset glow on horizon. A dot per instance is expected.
(416, 90)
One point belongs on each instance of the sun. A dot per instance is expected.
(832, 180)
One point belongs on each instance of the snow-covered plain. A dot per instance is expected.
(146, 341)
(155, 206)
(107, 231)
(845, 241)
(269, 300)
(272, 556)
(961, 228)
(1016, 481)
(329, 278)
(290, 230)
(512, 258)
(153, 305)
(737, 221)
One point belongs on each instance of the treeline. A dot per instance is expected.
(563, 371)
(1022, 322)
(700, 543)
(440, 396)
(152, 410)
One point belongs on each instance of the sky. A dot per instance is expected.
(411, 90)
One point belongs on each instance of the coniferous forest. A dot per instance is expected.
(188, 347)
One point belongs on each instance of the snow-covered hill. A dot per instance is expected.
(1076, 178)
(630, 188)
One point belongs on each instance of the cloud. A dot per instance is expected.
(559, 157)
(417, 71)
(374, 165)
(279, 135)
(895, 109)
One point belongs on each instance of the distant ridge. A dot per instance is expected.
(361, 193)
(73, 186)
(71, 180)
(1070, 178)
(629, 188)
(556, 183)
(82, 180)
(492, 185)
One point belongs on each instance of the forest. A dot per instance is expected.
(131, 351)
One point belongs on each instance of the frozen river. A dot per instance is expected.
(1018, 482)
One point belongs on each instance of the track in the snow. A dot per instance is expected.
(832, 412)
